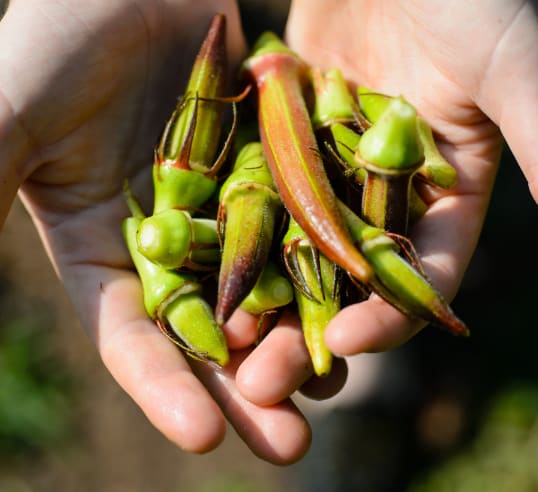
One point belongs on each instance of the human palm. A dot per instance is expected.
(450, 60)
(109, 76)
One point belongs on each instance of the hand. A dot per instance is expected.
(84, 94)
(472, 73)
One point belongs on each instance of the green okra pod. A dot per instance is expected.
(391, 152)
(316, 284)
(337, 127)
(194, 129)
(435, 169)
(186, 162)
(333, 101)
(174, 300)
(347, 143)
(172, 238)
(397, 281)
(271, 291)
(249, 209)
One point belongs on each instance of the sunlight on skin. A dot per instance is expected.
(277, 432)
(147, 365)
(280, 354)
(241, 330)
(283, 360)
(188, 410)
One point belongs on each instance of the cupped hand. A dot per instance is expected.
(85, 90)
(471, 70)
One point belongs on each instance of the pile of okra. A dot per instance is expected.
(296, 191)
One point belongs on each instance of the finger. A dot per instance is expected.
(154, 373)
(369, 326)
(317, 388)
(278, 366)
(277, 433)
(144, 362)
(241, 330)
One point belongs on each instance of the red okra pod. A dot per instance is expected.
(293, 155)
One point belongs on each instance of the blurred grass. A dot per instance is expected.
(502, 458)
(232, 484)
(34, 409)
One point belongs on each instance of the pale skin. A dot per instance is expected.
(85, 93)
(471, 69)
(83, 96)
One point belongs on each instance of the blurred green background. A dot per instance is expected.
(438, 414)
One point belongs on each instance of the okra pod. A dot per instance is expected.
(293, 155)
(336, 123)
(172, 238)
(271, 291)
(391, 152)
(174, 301)
(195, 126)
(249, 209)
(186, 162)
(397, 281)
(347, 143)
(316, 284)
(435, 170)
